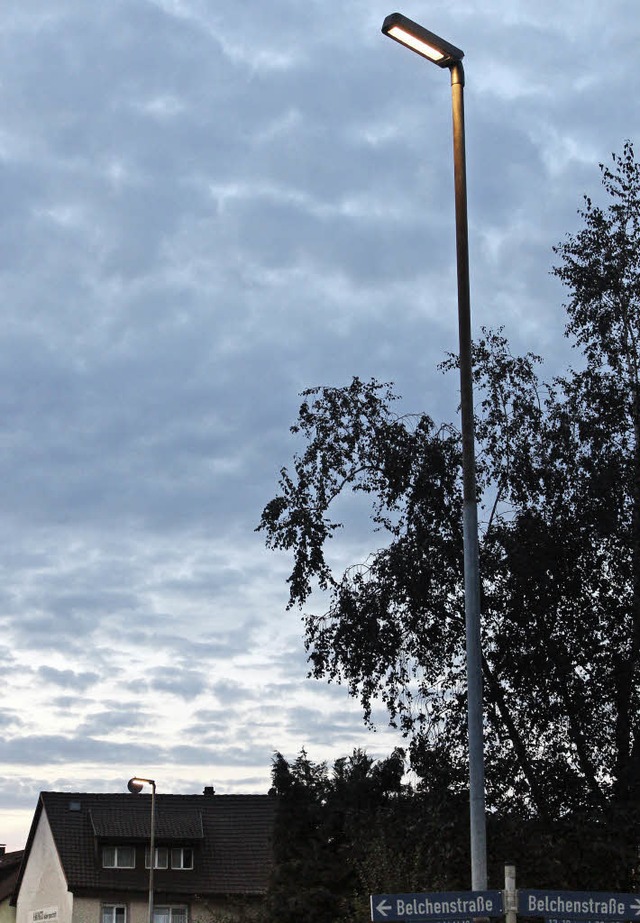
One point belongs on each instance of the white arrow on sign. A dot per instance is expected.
(383, 907)
(636, 907)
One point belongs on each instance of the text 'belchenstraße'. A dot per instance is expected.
(458, 906)
(555, 903)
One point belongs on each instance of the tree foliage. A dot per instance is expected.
(559, 487)
(358, 828)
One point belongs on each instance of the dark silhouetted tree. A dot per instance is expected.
(559, 482)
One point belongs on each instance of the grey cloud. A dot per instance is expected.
(113, 717)
(20, 793)
(234, 755)
(184, 683)
(233, 693)
(68, 679)
(67, 704)
(58, 749)
(10, 719)
(315, 727)
(211, 726)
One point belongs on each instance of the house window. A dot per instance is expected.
(169, 915)
(118, 857)
(162, 857)
(182, 858)
(114, 913)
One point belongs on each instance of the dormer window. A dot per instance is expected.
(161, 860)
(118, 857)
(182, 857)
(177, 857)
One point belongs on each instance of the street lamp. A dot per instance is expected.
(442, 53)
(135, 786)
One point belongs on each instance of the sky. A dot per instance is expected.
(206, 208)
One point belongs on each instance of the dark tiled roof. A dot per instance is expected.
(9, 868)
(174, 823)
(231, 836)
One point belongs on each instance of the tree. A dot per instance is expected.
(324, 823)
(559, 485)
(358, 829)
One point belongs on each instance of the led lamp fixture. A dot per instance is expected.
(418, 39)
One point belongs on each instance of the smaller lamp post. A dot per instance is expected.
(135, 786)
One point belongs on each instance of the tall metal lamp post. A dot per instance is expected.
(445, 55)
(135, 786)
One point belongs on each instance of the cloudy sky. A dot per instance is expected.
(206, 208)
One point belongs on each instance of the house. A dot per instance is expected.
(87, 858)
(9, 868)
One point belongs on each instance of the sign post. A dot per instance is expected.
(510, 894)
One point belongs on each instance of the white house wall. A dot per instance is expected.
(7, 913)
(43, 894)
(89, 909)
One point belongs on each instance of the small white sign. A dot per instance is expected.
(46, 915)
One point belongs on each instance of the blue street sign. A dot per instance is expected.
(445, 905)
(568, 920)
(585, 906)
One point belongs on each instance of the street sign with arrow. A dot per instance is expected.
(445, 905)
(579, 905)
